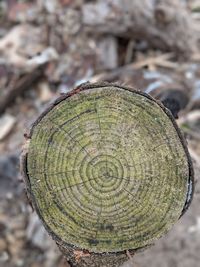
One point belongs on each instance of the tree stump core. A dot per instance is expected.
(107, 169)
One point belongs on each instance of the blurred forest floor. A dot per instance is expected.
(49, 46)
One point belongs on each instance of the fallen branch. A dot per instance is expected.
(9, 94)
(158, 23)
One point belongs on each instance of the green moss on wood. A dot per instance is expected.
(108, 169)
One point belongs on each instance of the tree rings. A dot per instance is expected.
(107, 169)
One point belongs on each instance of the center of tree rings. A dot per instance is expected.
(108, 169)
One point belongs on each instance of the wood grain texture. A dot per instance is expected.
(107, 170)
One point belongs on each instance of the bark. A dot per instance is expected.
(81, 258)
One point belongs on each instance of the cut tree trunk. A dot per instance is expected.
(164, 24)
(108, 171)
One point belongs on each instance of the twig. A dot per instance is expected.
(19, 87)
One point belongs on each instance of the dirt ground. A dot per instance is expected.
(47, 48)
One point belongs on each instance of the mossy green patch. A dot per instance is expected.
(108, 169)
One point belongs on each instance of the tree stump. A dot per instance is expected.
(107, 170)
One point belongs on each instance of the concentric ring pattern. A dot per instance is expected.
(107, 170)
